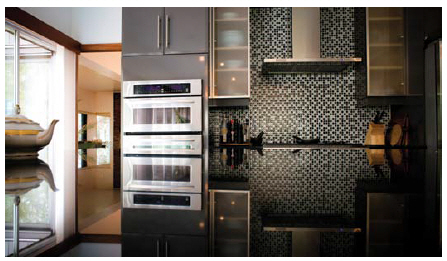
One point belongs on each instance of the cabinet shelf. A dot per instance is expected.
(233, 70)
(231, 48)
(385, 18)
(386, 45)
(377, 68)
(232, 20)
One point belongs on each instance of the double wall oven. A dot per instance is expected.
(162, 144)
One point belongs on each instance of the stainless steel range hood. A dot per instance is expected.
(306, 48)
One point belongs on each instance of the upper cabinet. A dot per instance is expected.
(386, 51)
(395, 62)
(170, 30)
(230, 53)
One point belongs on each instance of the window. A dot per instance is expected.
(28, 67)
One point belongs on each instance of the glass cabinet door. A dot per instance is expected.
(230, 52)
(230, 224)
(386, 51)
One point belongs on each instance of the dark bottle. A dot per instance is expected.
(240, 133)
(229, 131)
(236, 131)
(232, 132)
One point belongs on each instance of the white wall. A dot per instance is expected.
(87, 25)
(96, 25)
(58, 17)
(63, 144)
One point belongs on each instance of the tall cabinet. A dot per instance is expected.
(169, 30)
(230, 53)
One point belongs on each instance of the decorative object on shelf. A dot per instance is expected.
(24, 137)
(376, 136)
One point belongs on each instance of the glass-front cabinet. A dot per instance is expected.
(230, 53)
(386, 50)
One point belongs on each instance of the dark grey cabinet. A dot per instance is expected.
(158, 245)
(189, 246)
(142, 32)
(170, 30)
(186, 30)
(141, 245)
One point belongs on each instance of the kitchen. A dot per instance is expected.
(271, 132)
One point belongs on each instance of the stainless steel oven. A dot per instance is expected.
(162, 200)
(162, 106)
(162, 144)
(163, 174)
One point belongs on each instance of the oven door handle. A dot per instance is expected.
(159, 101)
(160, 186)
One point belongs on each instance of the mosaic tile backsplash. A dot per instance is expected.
(309, 105)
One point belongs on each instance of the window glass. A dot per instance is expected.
(9, 72)
(103, 134)
(35, 67)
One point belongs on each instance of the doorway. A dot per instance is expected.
(98, 171)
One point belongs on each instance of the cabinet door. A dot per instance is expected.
(142, 31)
(183, 246)
(186, 30)
(230, 223)
(141, 245)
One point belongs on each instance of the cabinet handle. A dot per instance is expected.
(158, 248)
(167, 31)
(166, 248)
(158, 32)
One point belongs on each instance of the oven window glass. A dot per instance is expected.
(177, 115)
(162, 173)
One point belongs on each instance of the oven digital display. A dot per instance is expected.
(162, 200)
(162, 88)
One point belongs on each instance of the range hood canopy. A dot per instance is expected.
(306, 47)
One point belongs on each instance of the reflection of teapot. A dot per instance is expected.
(24, 137)
(22, 176)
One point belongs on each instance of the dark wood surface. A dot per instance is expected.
(23, 18)
(113, 47)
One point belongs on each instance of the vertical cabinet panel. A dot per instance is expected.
(142, 31)
(141, 245)
(230, 215)
(186, 30)
(230, 63)
(185, 246)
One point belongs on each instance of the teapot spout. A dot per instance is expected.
(44, 137)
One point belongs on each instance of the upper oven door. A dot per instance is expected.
(170, 114)
(163, 174)
(162, 88)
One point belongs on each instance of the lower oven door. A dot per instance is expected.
(163, 174)
(162, 144)
(162, 200)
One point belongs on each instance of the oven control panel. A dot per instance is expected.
(162, 88)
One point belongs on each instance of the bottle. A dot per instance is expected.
(232, 130)
(229, 130)
(223, 131)
(247, 131)
(240, 133)
(236, 131)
